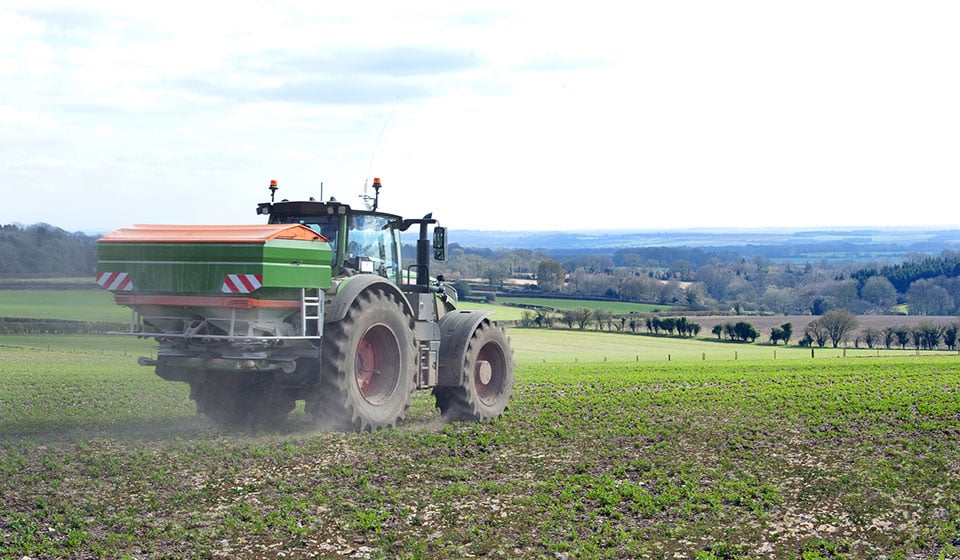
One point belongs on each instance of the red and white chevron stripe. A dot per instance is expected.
(115, 281)
(241, 283)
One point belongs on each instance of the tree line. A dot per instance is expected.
(45, 250)
(699, 280)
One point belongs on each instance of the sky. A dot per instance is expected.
(491, 115)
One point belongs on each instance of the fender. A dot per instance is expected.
(340, 300)
(456, 329)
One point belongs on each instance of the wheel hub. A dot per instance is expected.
(484, 372)
(377, 365)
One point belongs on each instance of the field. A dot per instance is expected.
(614, 446)
(73, 305)
(748, 458)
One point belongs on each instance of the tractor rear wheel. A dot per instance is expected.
(486, 378)
(368, 366)
(242, 400)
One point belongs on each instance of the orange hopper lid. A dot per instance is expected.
(259, 233)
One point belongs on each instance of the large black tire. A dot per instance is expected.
(240, 400)
(368, 366)
(486, 378)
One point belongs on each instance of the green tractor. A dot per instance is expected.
(315, 305)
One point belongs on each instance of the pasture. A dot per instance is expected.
(72, 305)
(614, 446)
(748, 458)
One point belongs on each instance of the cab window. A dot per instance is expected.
(371, 245)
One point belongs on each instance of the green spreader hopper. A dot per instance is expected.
(217, 280)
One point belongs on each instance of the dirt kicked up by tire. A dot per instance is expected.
(486, 378)
(245, 401)
(368, 365)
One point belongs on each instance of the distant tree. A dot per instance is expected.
(916, 335)
(746, 332)
(776, 335)
(903, 336)
(717, 330)
(930, 335)
(871, 336)
(889, 337)
(550, 276)
(544, 318)
(527, 318)
(787, 332)
(582, 316)
(463, 289)
(495, 275)
(928, 297)
(951, 334)
(838, 325)
(879, 293)
(780, 300)
(816, 332)
(602, 317)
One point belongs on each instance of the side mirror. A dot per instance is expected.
(439, 243)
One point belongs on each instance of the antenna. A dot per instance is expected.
(373, 156)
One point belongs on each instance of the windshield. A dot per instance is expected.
(371, 239)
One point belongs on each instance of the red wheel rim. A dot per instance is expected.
(377, 364)
(489, 373)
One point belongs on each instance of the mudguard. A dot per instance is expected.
(456, 328)
(348, 290)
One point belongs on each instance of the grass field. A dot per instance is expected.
(73, 305)
(614, 446)
(566, 346)
(813, 459)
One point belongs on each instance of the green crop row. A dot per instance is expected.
(71, 305)
(730, 459)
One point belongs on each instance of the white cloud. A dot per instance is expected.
(498, 115)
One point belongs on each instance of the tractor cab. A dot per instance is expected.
(362, 241)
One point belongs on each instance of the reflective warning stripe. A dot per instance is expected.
(115, 281)
(241, 283)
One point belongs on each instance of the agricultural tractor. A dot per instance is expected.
(315, 306)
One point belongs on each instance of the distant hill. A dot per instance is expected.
(850, 245)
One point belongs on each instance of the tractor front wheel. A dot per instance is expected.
(486, 378)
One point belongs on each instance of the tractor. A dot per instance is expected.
(314, 306)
